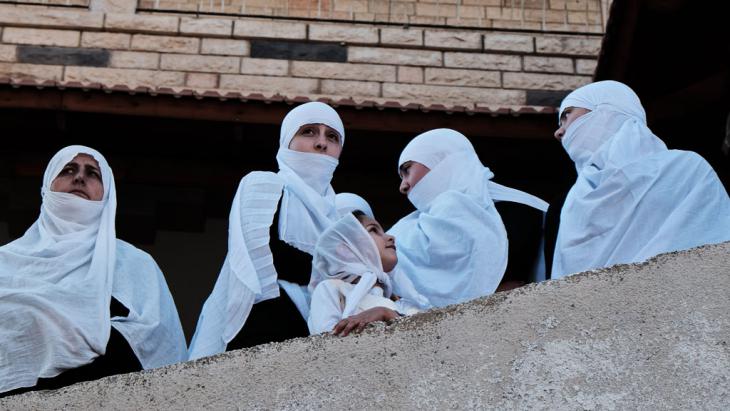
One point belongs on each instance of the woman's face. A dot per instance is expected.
(569, 115)
(411, 172)
(384, 242)
(318, 139)
(82, 177)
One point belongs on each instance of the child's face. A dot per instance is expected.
(384, 242)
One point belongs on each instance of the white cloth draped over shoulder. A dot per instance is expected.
(454, 246)
(633, 198)
(56, 284)
(345, 252)
(307, 208)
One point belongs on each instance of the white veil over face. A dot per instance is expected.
(633, 198)
(454, 246)
(308, 203)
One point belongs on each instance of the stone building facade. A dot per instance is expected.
(428, 59)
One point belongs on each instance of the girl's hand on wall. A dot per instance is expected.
(358, 322)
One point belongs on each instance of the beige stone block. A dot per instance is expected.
(547, 64)
(427, 20)
(226, 47)
(40, 17)
(449, 95)
(288, 86)
(394, 56)
(464, 22)
(201, 80)
(482, 2)
(533, 81)
(7, 52)
(129, 77)
(343, 71)
(401, 36)
(408, 74)
(269, 67)
(351, 6)
(400, 8)
(105, 40)
(31, 71)
(134, 59)
(270, 29)
(41, 37)
(343, 32)
(166, 44)
(575, 4)
(457, 77)
(585, 46)
(585, 66)
(471, 12)
(350, 88)
(435, 10)
(453, 39)
(113, 6)
(210, 64)
(517, 24)
(509, 42)
(142, 23)
(548, 16)
(482, 61)
(210, 27)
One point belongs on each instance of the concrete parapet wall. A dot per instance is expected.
(651, 336)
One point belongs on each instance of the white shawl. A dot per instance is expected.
(633, 198)
(349, 202)
(307, 208)
(454, 246)
(344, 252)
(56, 283)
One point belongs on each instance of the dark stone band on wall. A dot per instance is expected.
(67, 56)
(294, 50)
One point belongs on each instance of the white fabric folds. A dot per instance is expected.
(345, 252)
(349, 202)
(633, 198)
(454, 246)
(56, 283)
(307, 208)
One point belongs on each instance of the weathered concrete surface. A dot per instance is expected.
(647, 336)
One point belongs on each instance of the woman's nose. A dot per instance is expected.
(320, 143)
(79, 178)
(559, 133)
(404, 187)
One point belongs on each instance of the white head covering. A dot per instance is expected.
(308, 204)
(346, 251)
(56, 285)
(454, 247)
(633, 198)
(348, 202)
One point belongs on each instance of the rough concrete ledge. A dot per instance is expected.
(649, 336)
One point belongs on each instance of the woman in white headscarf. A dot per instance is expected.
(633, 198)
(454, 246)
(274, 224)
(353, 278)
(74, 299)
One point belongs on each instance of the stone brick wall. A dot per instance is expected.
(561, 15)
(368, 61)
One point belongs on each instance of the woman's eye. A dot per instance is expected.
(333, 137)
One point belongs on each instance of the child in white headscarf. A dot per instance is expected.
(633, 198)
(454, 246)
(275, 221)
(70, 290)
(352, 283)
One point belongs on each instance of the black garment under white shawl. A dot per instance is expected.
(56, 283)
(307, 208)
(454, 246)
